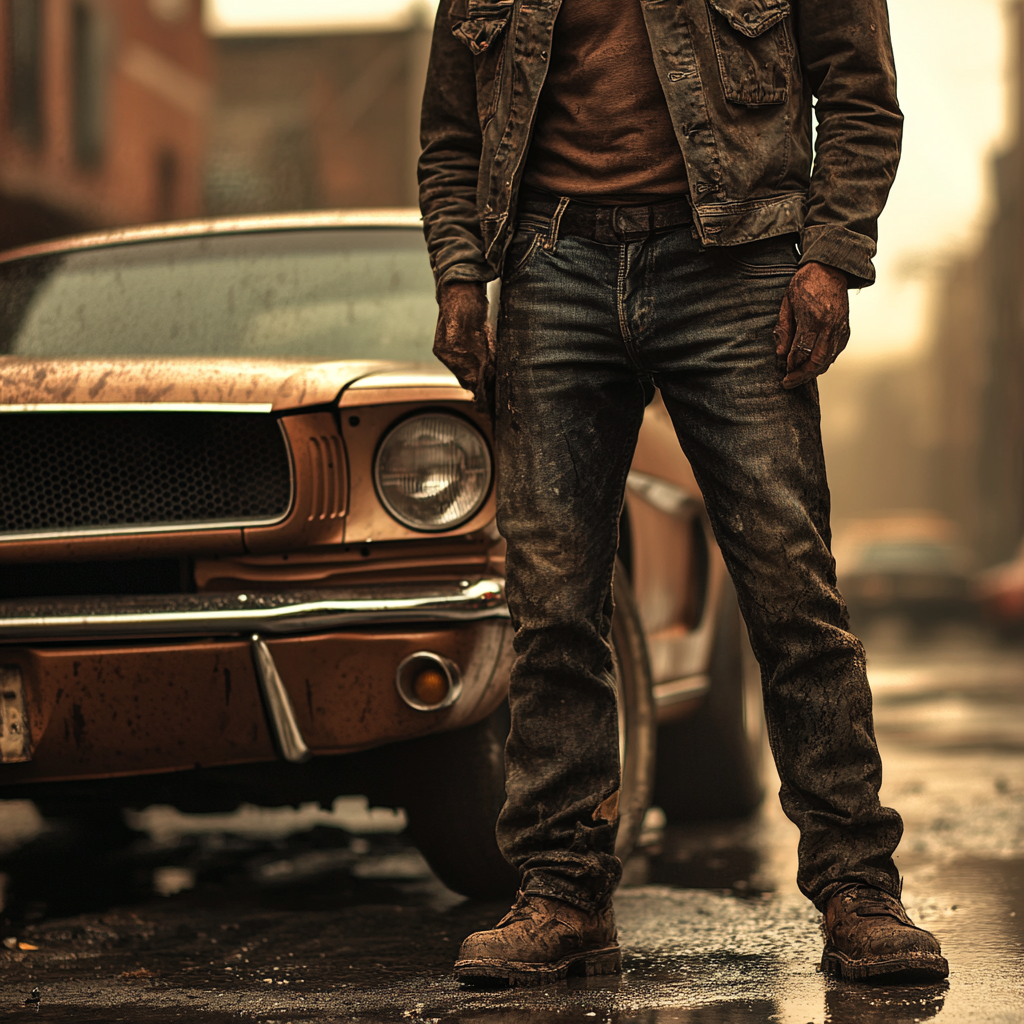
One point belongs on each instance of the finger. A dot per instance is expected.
(817, 362)
(784, 328)
(842, 338)
(803, 345)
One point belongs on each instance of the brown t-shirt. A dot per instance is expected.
(603, 131)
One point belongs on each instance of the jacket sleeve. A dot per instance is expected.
(449, 165)
(846, 56)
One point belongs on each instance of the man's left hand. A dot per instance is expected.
(814, 324)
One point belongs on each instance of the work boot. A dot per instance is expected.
(869, 936)
(541, 940)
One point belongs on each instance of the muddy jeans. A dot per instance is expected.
(584, 327)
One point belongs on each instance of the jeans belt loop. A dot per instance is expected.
(556, 223)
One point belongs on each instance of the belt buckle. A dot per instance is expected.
(631, 223)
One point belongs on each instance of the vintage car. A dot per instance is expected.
(248, 547)
(999, 593)
(911, 565)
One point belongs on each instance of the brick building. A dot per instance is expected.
(105, 109)
(116, 112)
(324, 120)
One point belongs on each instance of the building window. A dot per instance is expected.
(88, 84)
(25, 64)
(166, 185)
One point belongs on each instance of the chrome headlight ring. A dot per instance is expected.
(433, 471)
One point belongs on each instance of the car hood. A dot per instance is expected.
(278, 383)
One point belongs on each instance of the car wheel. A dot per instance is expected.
(456, 780)
(710, 765)
(454, 789)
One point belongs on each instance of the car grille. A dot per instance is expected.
(68, 472)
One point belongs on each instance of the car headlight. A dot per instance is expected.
(433, 471)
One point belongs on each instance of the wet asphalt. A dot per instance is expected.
(305, 916)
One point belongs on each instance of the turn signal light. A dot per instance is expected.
(430, 686)
(428, 682)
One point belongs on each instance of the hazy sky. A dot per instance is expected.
(951, 57)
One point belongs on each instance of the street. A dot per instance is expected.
(236, 919)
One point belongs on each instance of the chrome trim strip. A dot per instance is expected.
(115, 530)
(134, 531)
(251, 407)
(278, 705)
(400, 217)
(439, 378)
(661, 494)
(277, 614)
(678, 691)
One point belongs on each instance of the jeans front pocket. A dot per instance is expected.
(766, 257)
(752, 44)
(525, 244)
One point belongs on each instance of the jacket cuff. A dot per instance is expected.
(482, 272)
(841, 248)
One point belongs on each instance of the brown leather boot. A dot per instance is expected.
(541, 940)
(869, 936)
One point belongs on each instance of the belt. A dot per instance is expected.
(610, 225)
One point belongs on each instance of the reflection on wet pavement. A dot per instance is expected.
(338, 923)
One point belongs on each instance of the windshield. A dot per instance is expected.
(315, 294)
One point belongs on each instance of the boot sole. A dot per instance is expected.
(904, 967)
(512, 973)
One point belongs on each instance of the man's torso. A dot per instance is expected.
(603, 131)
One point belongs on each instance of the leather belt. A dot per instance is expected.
(610, 225)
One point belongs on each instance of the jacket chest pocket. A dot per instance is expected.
(481, 25)
(755, 56)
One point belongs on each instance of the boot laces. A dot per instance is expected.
(873, 902)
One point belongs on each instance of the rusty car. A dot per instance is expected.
(248, 548)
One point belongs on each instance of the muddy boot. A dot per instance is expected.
(868, 936)
(540, 940)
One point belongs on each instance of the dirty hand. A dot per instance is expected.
(463, 339)
(814, 324)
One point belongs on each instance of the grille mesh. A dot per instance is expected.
(71, 471)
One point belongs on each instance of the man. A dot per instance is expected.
(638, 172)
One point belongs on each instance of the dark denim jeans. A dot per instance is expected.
(584, 328)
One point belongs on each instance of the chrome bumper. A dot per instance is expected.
(303, 611)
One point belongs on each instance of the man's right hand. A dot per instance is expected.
(463, 339)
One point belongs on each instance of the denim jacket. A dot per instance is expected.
(741, 78)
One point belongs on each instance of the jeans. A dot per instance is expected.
(584, 329)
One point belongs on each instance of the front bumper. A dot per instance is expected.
(291, 612)
(136, 686)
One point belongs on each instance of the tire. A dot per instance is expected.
(455, 789)
(459, 786)
(710, 766)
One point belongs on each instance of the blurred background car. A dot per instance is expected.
(999, 591)
(912, 565)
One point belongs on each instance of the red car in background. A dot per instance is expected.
(1000, 593)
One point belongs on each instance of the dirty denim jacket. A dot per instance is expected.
(742, 79)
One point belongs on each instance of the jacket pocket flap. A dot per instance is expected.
(751, 17)
(485, 20)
